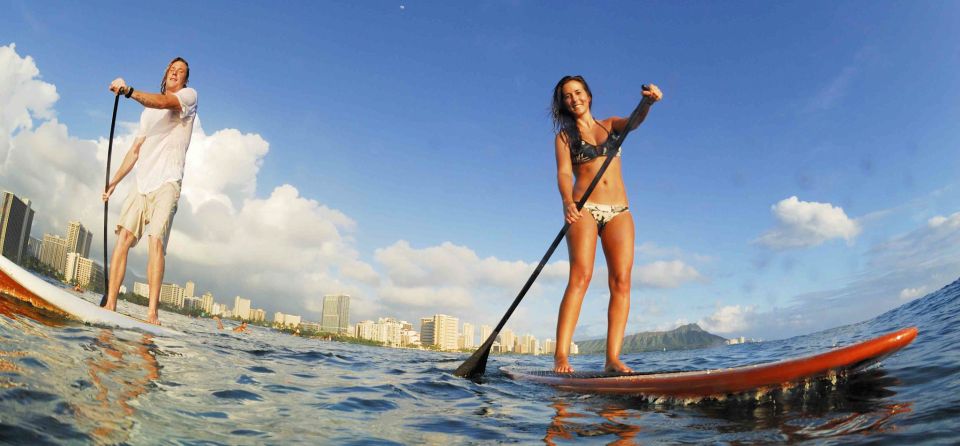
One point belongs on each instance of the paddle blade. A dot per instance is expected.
(476, 365)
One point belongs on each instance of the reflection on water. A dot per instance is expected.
(569, 424)
(119, 373)
(64, 382)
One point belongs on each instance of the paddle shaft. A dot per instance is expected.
(106, 204)
(475, 365)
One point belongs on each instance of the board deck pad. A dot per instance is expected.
(717, 382)
(25, 286)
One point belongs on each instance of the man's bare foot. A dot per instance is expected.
(562, 365)
(153, 319)
(615, 365)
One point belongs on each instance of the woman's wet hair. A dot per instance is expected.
(163, 82)
(563, 119)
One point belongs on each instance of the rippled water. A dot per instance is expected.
(63, 382)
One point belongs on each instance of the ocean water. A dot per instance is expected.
(67, 383)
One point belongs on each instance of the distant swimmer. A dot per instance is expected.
(158, 153)
(242, 328)
(219, 322)
(581, 144)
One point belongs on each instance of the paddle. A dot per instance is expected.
(106, 204)
(476, 364)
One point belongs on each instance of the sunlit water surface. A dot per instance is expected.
(64, 382)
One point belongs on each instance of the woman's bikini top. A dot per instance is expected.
(583, 152)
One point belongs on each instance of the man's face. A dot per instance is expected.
(176, 76)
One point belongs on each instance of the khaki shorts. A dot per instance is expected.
(150, 214)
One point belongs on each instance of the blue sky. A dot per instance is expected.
(416, 134)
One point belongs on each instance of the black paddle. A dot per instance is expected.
(475, 366)
(106, 204)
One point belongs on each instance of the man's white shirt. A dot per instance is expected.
(166, 139)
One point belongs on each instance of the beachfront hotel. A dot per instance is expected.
(16, 218)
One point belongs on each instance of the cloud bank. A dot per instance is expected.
(802, 224)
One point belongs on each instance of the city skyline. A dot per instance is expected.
(442, 331)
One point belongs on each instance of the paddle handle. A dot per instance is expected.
(106, 204)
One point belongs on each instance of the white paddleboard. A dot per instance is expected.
(22, 284)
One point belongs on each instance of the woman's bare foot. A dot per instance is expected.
(561, 365)
(615, 365)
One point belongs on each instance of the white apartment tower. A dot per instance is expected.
(469, 335)
(79, 239)
(171, 294)
(241, 308)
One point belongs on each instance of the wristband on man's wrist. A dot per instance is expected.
(129, 92)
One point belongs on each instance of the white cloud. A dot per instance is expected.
(803, 224)
(665, 274)
(23, 95)
(939, 221)
(728, 319)
(452, 278)
(62, 175)
(912, 293)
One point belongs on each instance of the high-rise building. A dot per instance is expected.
(278, 318)
(53, 252)
(427, 331)
(365, 329)
(189, 289)
(549, 347)
(83, 271)
(336, 313)
(16, 218)
(141, 289)
(191, 302)
(33, 247)
(485, 332)
(171, 294)
(507, 340)
(444, 332)
(291, 320)
(79, 239)
(469, 335)
(529, 345)
(388, 330)
(241, 308)
(258, 315)
(206, 303)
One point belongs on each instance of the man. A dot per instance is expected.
(158, 153)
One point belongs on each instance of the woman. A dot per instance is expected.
(582, 143)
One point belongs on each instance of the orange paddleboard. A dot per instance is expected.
(719, 382)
